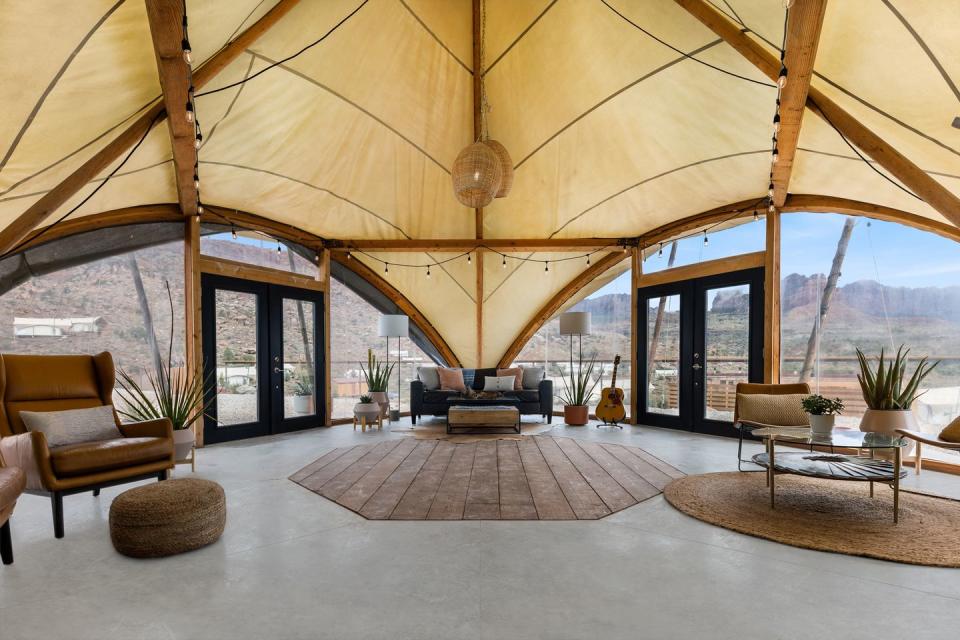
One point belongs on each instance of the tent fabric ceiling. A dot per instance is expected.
(611, 132)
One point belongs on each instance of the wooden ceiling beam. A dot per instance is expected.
(470, 244)
(803, 35)
(35, 215)
(166, 28)
(898, 165)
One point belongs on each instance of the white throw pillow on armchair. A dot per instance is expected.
(73, 426)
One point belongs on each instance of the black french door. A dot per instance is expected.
(263, 358)
(696, 340)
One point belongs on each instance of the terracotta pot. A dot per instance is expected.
(183, 441)
(382, 399)
(370, 410)
(887, 421)
(821, 425)
(575, 415)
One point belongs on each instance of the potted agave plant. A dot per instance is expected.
(171, 392)
(578, 388)
(366, 408)
(302, 393)
(377, 375)
(889, 393)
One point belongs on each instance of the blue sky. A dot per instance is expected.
(890, 253)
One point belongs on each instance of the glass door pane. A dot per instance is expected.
(663, 355)
(299, 368)
(237, 350)
(726, 354)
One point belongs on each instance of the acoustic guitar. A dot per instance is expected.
(611, 409)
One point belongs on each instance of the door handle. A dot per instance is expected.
(277, 370)
(697, 367)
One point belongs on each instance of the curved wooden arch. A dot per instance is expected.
(403, 303)
(553, 305)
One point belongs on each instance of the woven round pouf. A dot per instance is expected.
(167, 518)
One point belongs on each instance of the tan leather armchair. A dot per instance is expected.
(59, 383)
(12, 483)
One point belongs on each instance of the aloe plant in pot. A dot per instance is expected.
(578, 388)
(176, 393)
(377, 375)
(888, 392)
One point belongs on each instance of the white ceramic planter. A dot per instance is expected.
(382, 399)
(881, 421)
(370, 410)
(301, 404)
(821, 425)
(183, 441)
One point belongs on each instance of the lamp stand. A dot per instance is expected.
(395, 413)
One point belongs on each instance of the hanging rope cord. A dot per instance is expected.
(883, 295)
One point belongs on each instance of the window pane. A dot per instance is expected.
(891, 285)
(236, 349)
(663, 355)
(744, 238)
(256, 249)
(727, 348)
(299, 389)
(609, 309)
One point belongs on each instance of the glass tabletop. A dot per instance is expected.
(852, 438)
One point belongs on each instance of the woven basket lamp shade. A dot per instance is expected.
(476, 175)
(506, 164)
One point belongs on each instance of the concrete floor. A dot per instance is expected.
(294, 565)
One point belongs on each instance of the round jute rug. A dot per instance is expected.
(826, 515)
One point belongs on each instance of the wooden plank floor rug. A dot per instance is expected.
(536, 478)
(826, 515)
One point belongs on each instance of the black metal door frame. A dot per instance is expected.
(270, 373)
(692, 372)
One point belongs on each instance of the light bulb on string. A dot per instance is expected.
(349, 257)
(588, 259)
(428, 271)
(386, 267)
(198, 141)
(546, 266)
(279, 250)
(776, 123)
(756, 215)
(187, 52)
(196, 181)
(771, 209)
(660, 251)
(189, 111)
(706, 238)
(776, 154)
(504, 263)
(782, 78)
(469, 261)
(233, 232)
(787, 4)
(770, 190)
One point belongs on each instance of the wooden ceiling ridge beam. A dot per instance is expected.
(454, 245)
(166, 29)
(804, 24)
(36, 214)
(886, 156)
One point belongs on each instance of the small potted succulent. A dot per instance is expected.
(889, 393)
(578, 388)
(377, 375)
(366, 408)
(822, 412)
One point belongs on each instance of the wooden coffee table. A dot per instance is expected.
(483, 417)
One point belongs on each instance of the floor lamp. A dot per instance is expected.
(575, 323)
(394, 326)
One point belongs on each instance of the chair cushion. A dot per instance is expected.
(951, 433)
(73, 426)
(524, 395)
(781, 410)
(451, 379)
(91, 457)
(438, 397)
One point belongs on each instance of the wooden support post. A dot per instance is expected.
(193, 338)
(323, 274)
(771, 302)
(636, 268)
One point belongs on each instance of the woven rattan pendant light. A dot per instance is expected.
(483, 170)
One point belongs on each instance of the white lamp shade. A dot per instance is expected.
(394, 326)
(575, 323)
